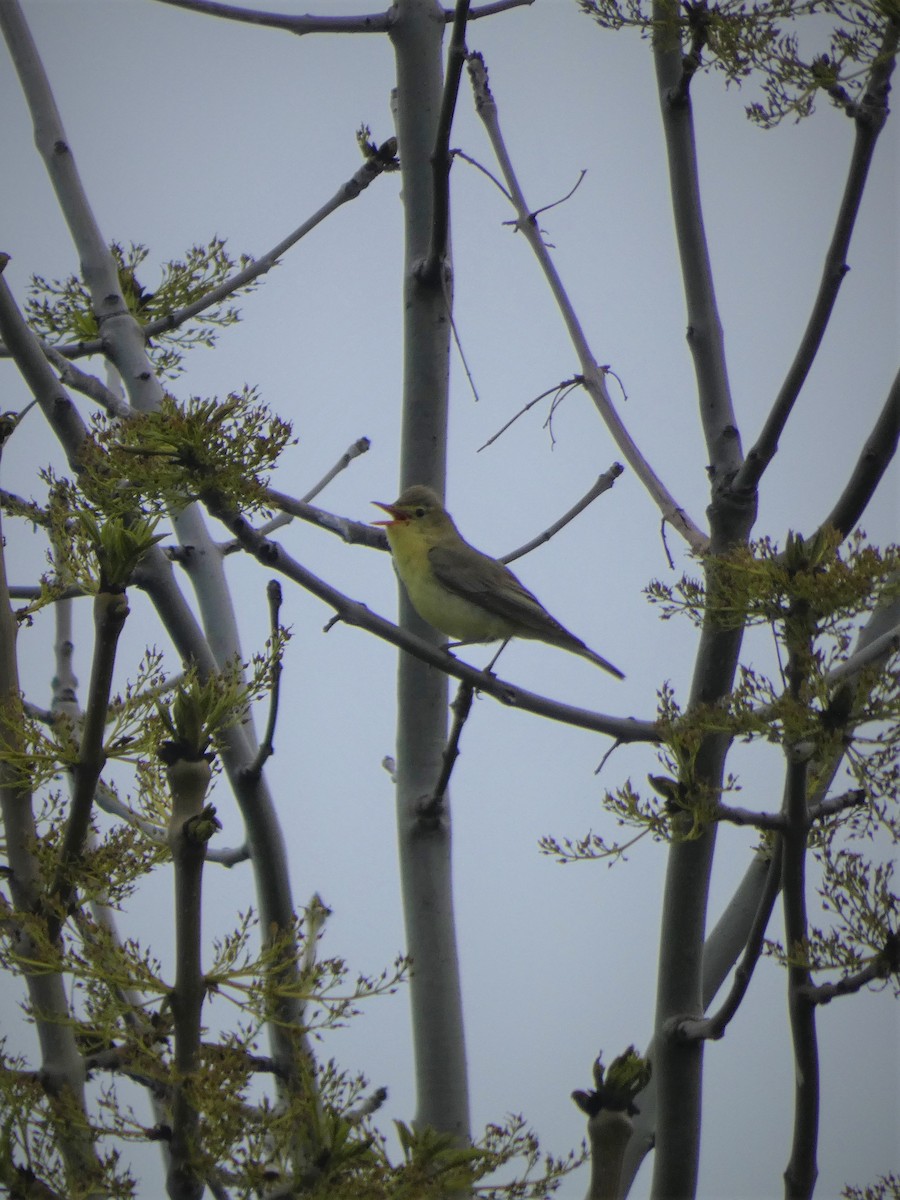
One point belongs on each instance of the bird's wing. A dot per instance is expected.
(476, 577)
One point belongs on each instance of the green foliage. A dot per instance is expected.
(60, 310)
(770, 43)
(758, 584)
(182, 452)
(617, 1088)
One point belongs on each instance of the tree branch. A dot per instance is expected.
(436, 260)
(603, 484)
(881, 966)
(594, 376)
(878, 452)
(461, 706)
(869, 122)
(714, 1027)
(704, 332)
(300, 25)
(266, 746)
(110, 612)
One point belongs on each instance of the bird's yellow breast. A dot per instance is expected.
(436, 604)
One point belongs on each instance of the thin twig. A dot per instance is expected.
(353, 187)
(360, 446)
(473, 162)
(566, 385)
(593, 375)
(461, 707)
(266, 746)
(603, 484)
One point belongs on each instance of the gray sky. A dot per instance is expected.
(184, 127)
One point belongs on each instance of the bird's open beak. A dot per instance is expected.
(397, 515)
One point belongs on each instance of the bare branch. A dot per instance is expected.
(374, 166)
(110, 612)
(800, 1173)
(360, 446)
(461, 706)
(565, 386)
(434, 265)
(603, 484)
(499, 6)
(300, 25)
(869, 122)
(715, 1026)
(834, 805)
(878, 452)
(704, 333)
(747, 816)
(594, 376)
(357, 533)
(266, 746)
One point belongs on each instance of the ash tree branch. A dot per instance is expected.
(833, 805)
(461, 706)
(603, 484)
(62, 1066)
(357, 183)
(300, 25)
(434, 265)
(747, 816)
(704, 334)
(266, 746)
(882, 966)
(870, 117)
(801, 1171)
(315, 516)
(110, 613)
(714, 1027)
(876, 456)
(594, 376)
(189, 778)
(354, 533)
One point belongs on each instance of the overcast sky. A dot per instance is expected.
(184, 127)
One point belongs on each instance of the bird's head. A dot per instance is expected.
(418, 507)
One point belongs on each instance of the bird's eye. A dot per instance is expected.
(420, 512)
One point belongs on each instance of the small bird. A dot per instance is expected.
(460, 591)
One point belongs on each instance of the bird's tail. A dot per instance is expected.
(586, 652)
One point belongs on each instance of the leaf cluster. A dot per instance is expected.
(765, 42)
(182, 452)
(758, 583)
(60, 310)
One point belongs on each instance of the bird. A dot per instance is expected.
(460, 591)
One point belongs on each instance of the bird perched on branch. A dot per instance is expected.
(460, 591)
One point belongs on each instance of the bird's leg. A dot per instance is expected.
(489, 669)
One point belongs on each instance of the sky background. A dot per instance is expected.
(184, 127)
